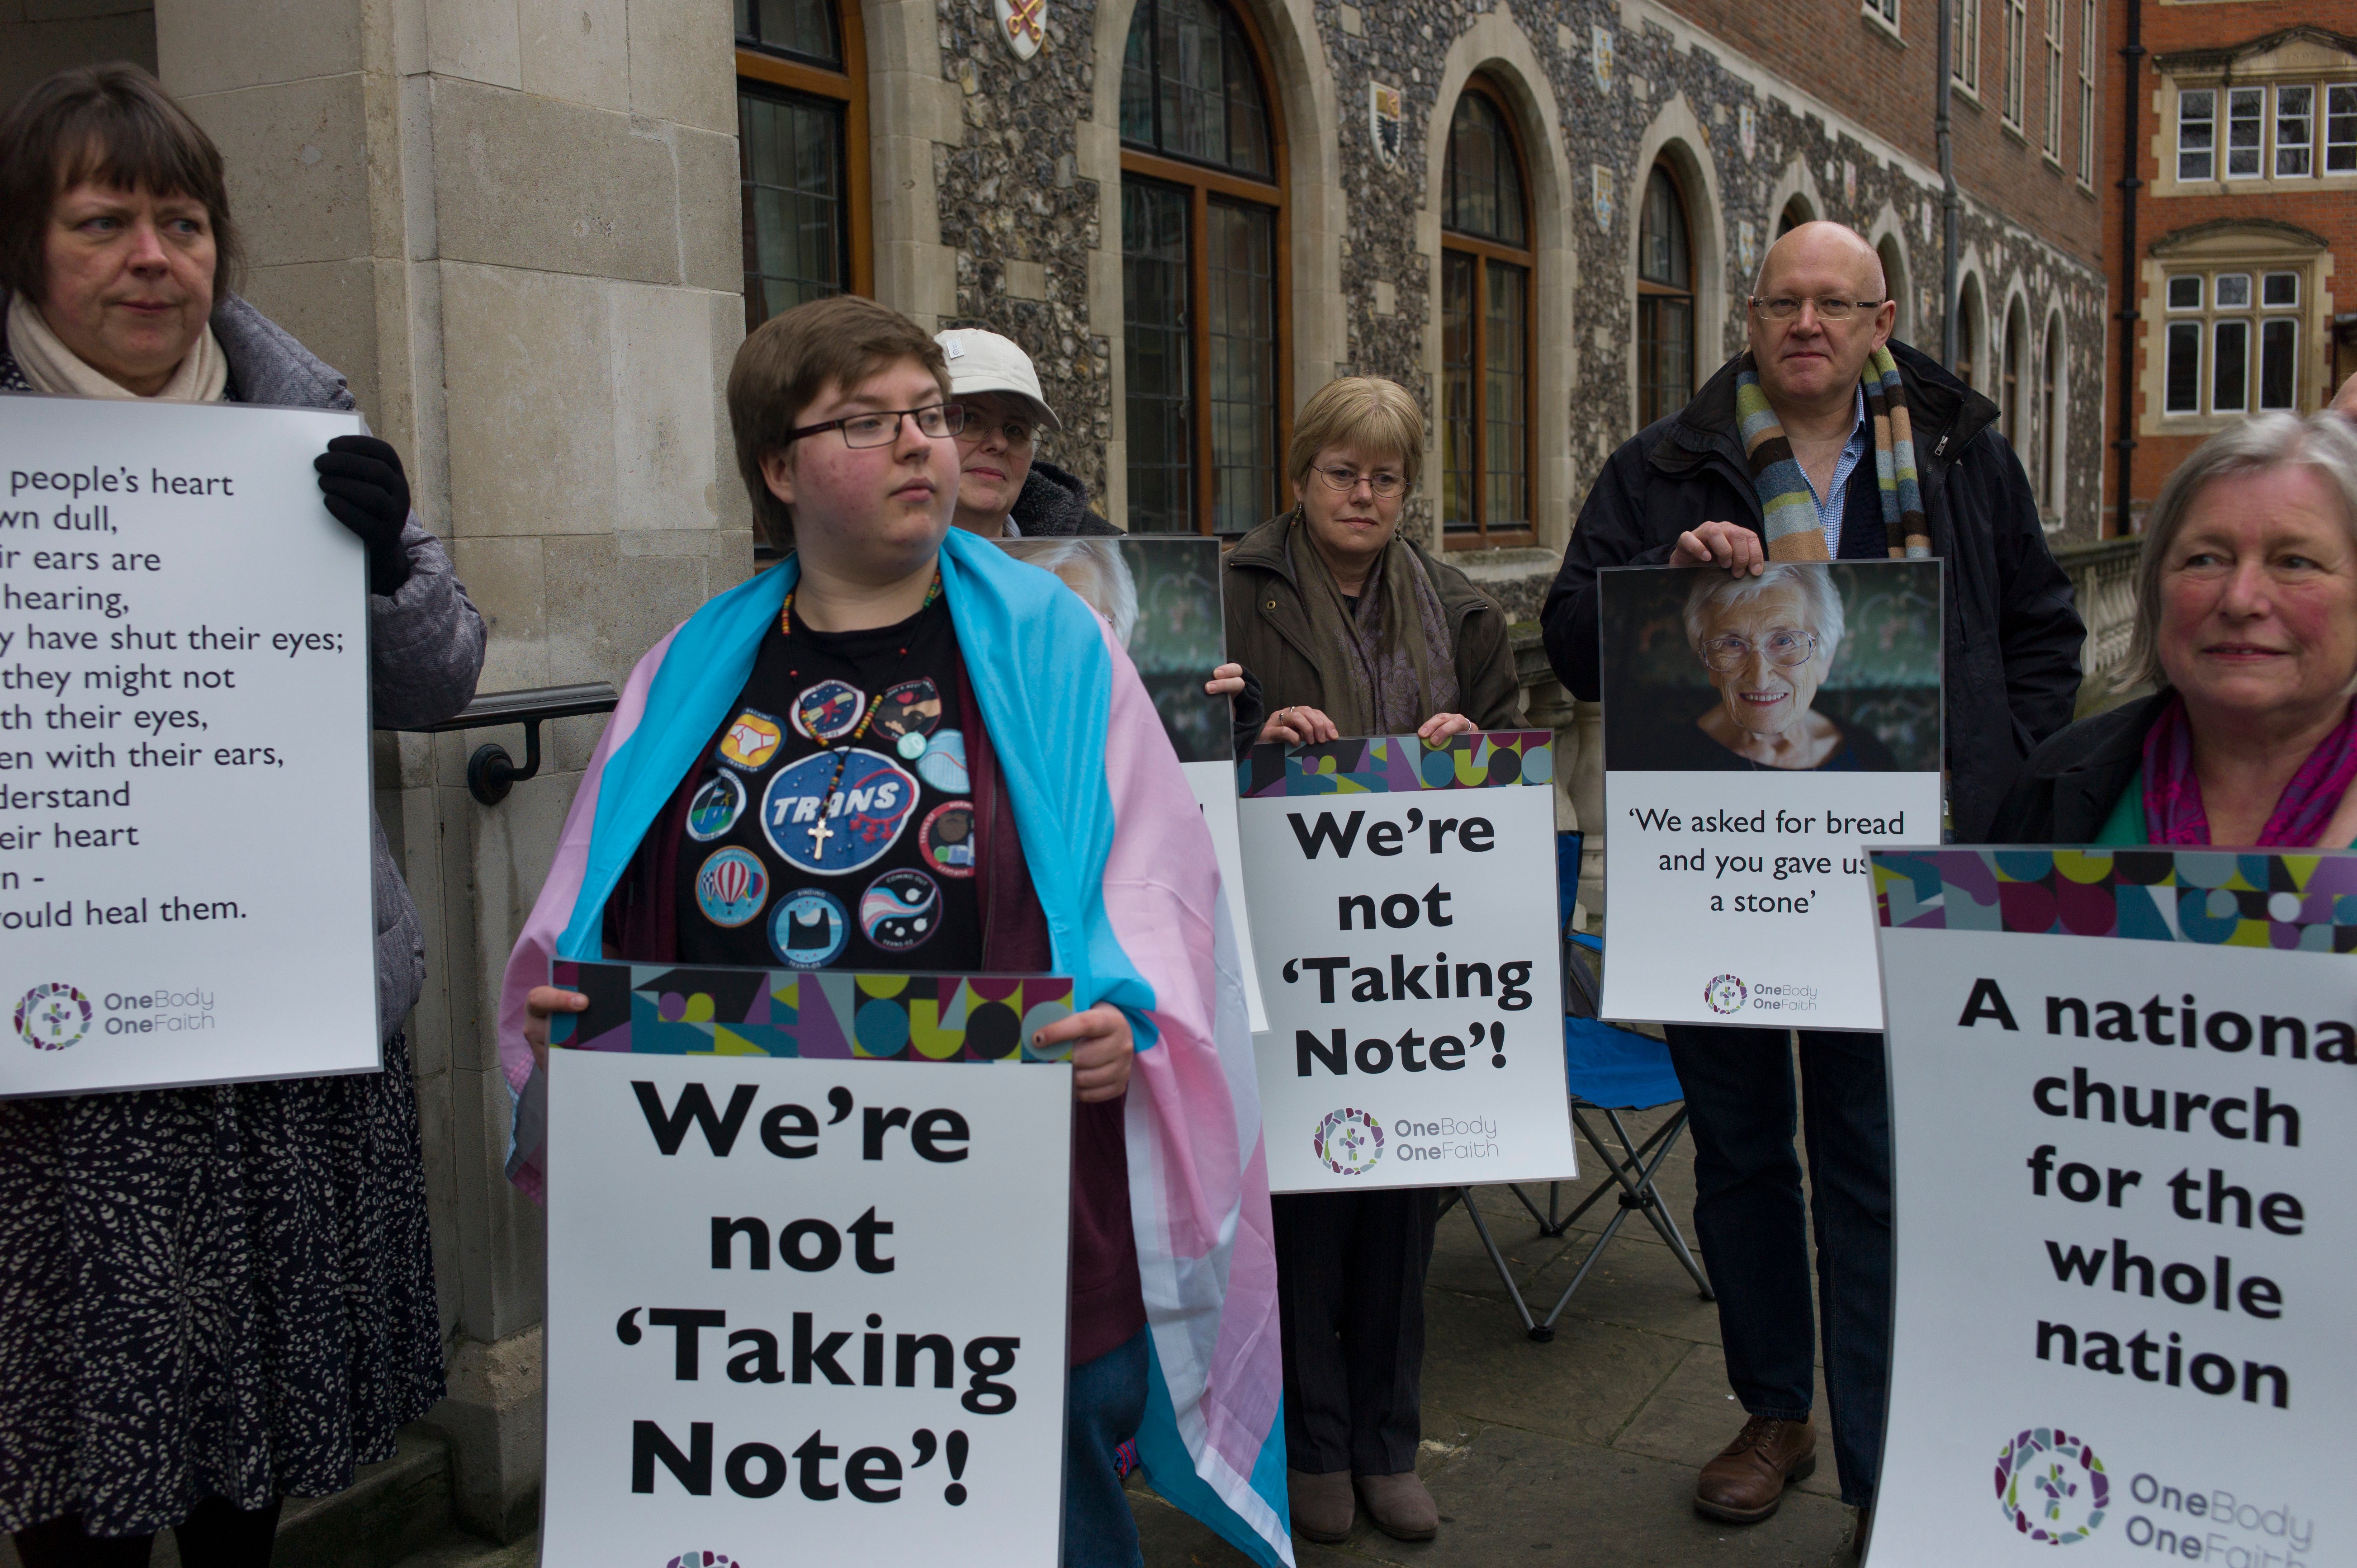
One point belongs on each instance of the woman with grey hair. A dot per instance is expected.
(1766, 644)
(2246, 622)
(1091, 568)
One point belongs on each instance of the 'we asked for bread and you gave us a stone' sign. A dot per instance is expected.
(2122, 1088)
(183, 751)
(1404, 919)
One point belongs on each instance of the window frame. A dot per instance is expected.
(2050, 418)
(2227, 121)
(1690, 292)
(2089, 27)
(775, 69)
(1964, 66)
(2213, 328)
(2014, 109)
(2328, 145)
(1479, 535)
(2184, 98)
(1201, 182)
(2277, 146)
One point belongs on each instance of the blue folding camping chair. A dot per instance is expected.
(1608, 1071)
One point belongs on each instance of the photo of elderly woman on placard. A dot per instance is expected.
(1808, 667)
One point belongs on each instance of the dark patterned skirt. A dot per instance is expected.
(222, 1292)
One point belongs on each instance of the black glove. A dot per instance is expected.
(362, 478)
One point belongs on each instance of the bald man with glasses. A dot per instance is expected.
(1826, 439)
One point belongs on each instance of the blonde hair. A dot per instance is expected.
(1365, 412)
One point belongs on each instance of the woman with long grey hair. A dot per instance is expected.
(2246, 625)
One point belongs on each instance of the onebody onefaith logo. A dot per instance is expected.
(52, 1016)
(1724, 994)
(1350, 1141)
(2052, 1485)
(703, 1560)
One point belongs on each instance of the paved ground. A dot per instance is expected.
(1580, 1452)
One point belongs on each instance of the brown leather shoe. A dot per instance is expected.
(1322, 1506)
(1746, 1483)
(1399, 1506)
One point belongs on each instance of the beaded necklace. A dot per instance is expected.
(819, 831)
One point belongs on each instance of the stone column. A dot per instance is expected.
(513, 224)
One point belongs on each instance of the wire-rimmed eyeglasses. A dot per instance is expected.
(935, 420)
(1349, 479)
(1785, 647)
(1784, 308)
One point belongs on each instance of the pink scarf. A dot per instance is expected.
(2172, 795)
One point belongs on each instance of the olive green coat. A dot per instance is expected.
(1268, 632)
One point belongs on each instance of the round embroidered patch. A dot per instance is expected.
(828, 710)
(732, 886)
(809, 928)
(716, 808)
(947, 839)
(943, 764)
(901, 910)
(750, 740)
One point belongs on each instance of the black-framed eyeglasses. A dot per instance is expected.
(1784, 308)
(1785, 647)
(1349, 479)
(882, 428)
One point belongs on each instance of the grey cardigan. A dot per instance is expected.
(426, 643)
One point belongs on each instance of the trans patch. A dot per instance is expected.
(808, 928)
(750, 740)
(732, 886)
(947, 839)
(828, 710)
(716, 808)
(871, 807)
(901, 909)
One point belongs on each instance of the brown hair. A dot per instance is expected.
(788, 363)
(1366, 412)
(113, 124)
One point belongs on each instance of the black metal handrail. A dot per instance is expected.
(491, 771)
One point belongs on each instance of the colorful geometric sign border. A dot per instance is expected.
(661, 1009)
(2303, 903)
(1492, 759)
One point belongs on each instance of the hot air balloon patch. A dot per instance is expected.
(901, 909)
(808, 928)
(716, 808)
(732, 886)
(750, 740)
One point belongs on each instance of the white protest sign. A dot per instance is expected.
(185, 782)
(2121, 1084)
(808, 1245)
(1759, 733)
(1405, 901)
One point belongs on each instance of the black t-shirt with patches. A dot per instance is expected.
(830, 823)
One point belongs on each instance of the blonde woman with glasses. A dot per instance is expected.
(1356, 630)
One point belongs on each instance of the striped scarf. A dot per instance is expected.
(1794, 533)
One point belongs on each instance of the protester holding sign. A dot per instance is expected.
(214, 1296)
(900, 749)
(2246, 622)
(1824, 440)
(1354, 630)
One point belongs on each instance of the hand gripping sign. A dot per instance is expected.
(2121, 1085)
(1405, 901)
(807, 1256)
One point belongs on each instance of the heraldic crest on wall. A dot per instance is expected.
(1023, 25)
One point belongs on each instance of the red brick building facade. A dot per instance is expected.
(2245, 145)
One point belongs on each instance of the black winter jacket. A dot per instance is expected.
(2013, 636)
(1054, 503)
(2070, 785)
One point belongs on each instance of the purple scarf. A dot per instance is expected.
(2172, 795)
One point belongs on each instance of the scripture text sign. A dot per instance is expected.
(1738, 888)
(2121, 1088)
(183, 751)
(807, 1257)
(1403, 911)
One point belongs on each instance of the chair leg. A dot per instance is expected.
(1505, 1276)
(1634, 1173)
(1657, 1211)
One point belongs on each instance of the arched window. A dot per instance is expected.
(802, 153)
(1665, 306)
(1796, 212)
(1202, 236)
(1485, 328)
(2017, 344)
(1894, 284)
(2050, 443)
(1969, 316)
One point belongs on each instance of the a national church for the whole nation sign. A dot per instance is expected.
(2123, 1086)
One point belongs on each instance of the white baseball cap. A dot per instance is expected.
(985, 362)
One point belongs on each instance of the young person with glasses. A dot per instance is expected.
(1826, 439)
(1356, 630)
(1018, 811)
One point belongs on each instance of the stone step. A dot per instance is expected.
(390, 1513)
